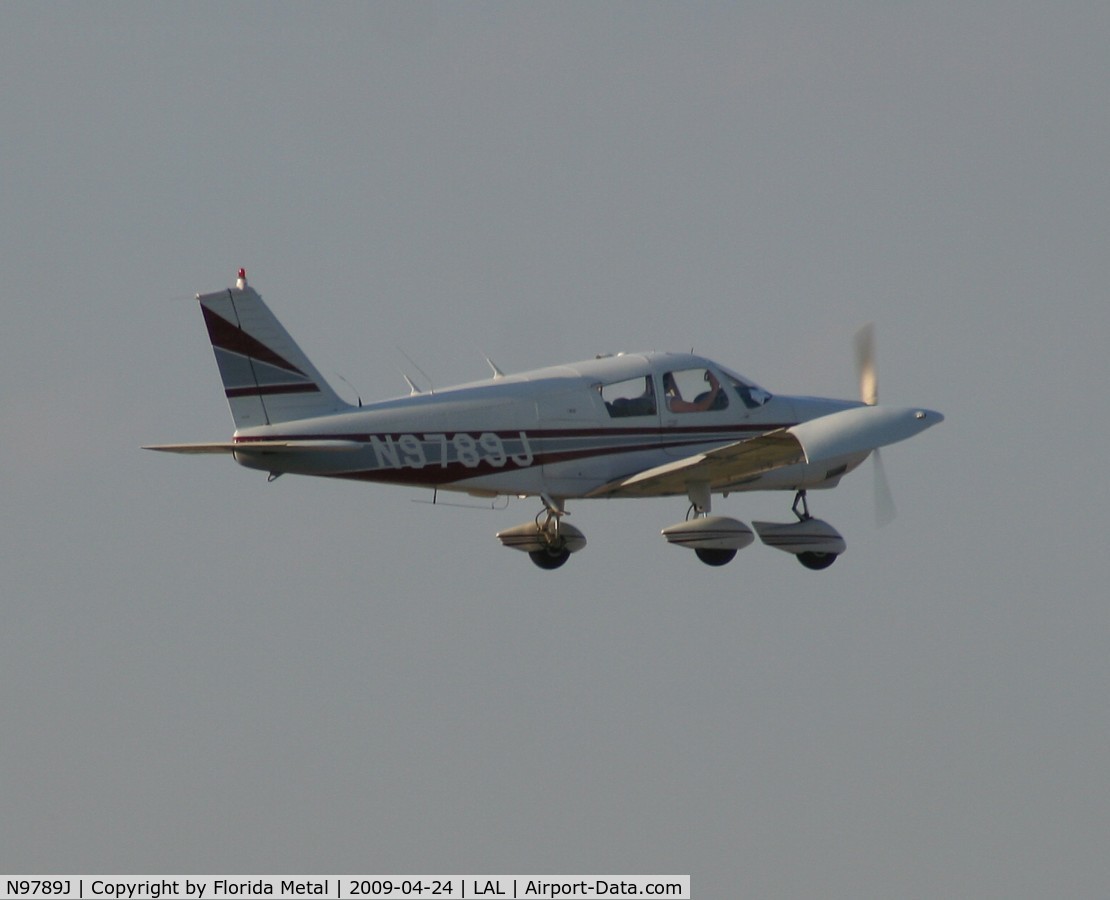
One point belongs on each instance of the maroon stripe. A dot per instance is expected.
(268, 389)
(713, 430)
(233, 339)
(691, 436)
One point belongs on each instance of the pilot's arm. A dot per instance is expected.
(709, 399)
(676, 404)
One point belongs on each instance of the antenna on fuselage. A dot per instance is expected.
(413, 387)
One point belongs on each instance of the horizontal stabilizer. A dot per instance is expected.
(191, 448)
(257, 447)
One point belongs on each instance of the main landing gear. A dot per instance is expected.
(715, 539)
(549, 543)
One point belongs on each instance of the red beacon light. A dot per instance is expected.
(241, 282)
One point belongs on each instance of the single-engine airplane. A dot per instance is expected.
(647, 424)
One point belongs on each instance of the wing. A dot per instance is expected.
(839, 435)
(730, 464)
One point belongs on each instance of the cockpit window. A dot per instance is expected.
(632, 397)
(693, 390)
(750, 395)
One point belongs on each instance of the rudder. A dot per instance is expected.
(267, 378)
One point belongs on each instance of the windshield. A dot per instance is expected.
(750, 394)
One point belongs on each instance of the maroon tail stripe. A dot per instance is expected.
(233, 339)
(268, 389)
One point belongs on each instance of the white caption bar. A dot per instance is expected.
(340, 887)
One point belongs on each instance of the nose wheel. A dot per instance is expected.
(817, 561)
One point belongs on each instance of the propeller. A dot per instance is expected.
(865, 365)
(869, 394)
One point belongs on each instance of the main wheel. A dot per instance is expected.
(549, 558)
(714, 557)
(817, 561)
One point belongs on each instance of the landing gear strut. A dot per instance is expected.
(555, 551)
(800, 498)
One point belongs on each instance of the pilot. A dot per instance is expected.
(675, 403)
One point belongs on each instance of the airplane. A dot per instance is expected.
(648, 424)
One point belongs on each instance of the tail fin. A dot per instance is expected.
(267, 377)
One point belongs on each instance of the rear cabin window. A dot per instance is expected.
(631, 397)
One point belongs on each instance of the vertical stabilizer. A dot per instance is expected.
(266, 376)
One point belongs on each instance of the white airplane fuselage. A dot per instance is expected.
(547, 431)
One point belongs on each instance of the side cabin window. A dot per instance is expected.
(631, 397)
(693, 390)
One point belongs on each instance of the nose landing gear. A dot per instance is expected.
(814, 542)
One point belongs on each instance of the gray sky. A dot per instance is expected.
(202, 672)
